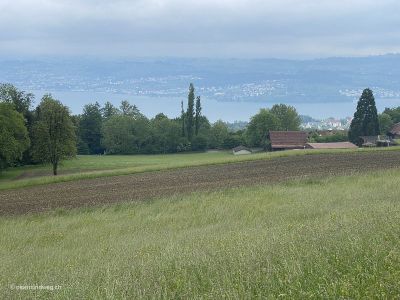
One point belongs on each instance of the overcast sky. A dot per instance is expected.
(205, 28)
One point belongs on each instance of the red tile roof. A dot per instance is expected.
(288, 139)
(340, 145)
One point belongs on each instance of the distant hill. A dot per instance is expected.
(256, 80)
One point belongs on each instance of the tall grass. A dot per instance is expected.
(85, 167)
(333, 238)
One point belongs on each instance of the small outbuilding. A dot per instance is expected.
(338, 145)
(285, 140)
(241, 150)
(369, 141)
(376, 140)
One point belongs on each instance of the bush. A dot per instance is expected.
(336, 137)
(199, 143)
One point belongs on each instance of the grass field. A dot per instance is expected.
(329, 238)
(100, 166)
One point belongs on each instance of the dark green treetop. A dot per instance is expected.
(90, 127)
(365, 121)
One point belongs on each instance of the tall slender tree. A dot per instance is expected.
(365, 121)
(183, 119)
(197, 115)
(190, 113)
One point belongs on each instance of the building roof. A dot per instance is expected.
(395, 129)
(339, 145)
(241, 148)
(288, 139)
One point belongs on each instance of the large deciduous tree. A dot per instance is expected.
(19, 99)
(394, 113)
(124, 134)
(385, 123)
(218, 133)
(259, 126)
(287, 117)
(22, 102)
(166, 133)
(365, 121)
(54, 134)
(14, 138)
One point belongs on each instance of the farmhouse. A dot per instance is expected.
(285, 140)
(395, 131)
(241, 150)
(339, 145)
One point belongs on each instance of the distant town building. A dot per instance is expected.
(328, 124)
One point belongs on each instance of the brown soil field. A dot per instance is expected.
(149, 185)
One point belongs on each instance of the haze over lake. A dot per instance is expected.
(231, 89)
(214, 110)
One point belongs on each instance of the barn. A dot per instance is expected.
(285, 140)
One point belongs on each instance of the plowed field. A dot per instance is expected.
(164, 183)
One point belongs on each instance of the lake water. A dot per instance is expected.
(214, 110)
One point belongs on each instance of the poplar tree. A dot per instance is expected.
(198, 115)
(190, 113)
(183, 119)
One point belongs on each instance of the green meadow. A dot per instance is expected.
(334, 238)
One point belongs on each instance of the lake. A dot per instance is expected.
(214, 110)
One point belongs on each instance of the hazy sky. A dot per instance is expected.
(206, 28)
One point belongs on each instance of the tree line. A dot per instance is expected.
(49, 133)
